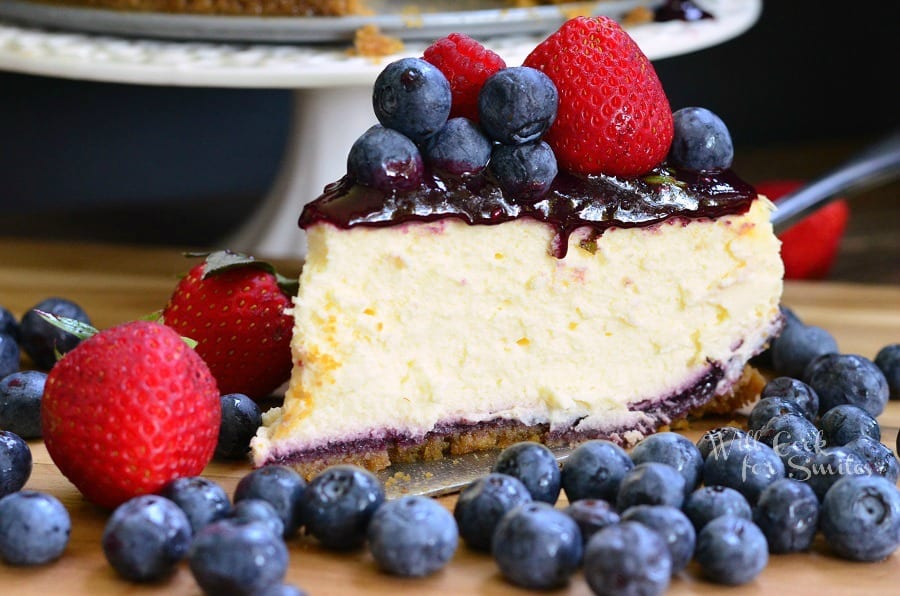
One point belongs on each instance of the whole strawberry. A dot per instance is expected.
(614, 117)
(128, 410)
(810, 247)
(467, 65)
(234, 307)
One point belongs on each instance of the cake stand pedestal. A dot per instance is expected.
(332, 92)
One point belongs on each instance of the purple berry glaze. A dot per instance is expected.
(573, 201)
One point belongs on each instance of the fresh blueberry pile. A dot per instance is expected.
(35, 337)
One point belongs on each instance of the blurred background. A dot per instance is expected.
(809, 85)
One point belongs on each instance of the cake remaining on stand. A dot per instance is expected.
(578, 264)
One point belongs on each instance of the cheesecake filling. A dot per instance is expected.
(411, 321)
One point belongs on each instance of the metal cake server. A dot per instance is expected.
(878, 164)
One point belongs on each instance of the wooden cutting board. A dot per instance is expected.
(115, 284)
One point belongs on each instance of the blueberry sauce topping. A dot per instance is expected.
(573, 201)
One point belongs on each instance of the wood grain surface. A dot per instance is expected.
(115, 284)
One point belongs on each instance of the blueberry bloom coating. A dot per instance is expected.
(731, 550)
(338, 504)
(412, 97)
(674, 528)
(41, 340)
(594, 470)
(241, 417)
(709, 502)
(796, 391)
(15, 462)
(537, 547)
(787, 512)
(227, 557)
(627, 559)
(517, 105)
(282, 487)
(201, 499)
(847, 379)
(861, 518)
(701, 141)
(675, 450)
(384, 159)
(412, 536)
(458, 148)
(797, 346)
(34, 528)
(146, 537)
(20, 403)
(483, 503)
(535, 465)
(651, 483)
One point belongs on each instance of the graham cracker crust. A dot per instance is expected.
(457, 439)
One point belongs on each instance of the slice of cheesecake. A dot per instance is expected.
(425, 338)
(581, 263)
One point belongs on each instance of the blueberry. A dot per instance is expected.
(483, 503)
(712, 440)
(537, 547)
(8, 324)
(257, 510)
(535, 465)
(731, 550)
(797, 346)
(787, 512)
(594, 470)
(888, 361)
(338, 504)
(827, 466)
(517, 105)
(844, 423)
(386, 160)
(20, 403)
(745, 465)
(878, 457)
(848, 379)
(9, 355)
(675, 450)
(41, 340)
(672, 525)
(627, 559)
(146, 537)
(241, 417)
(789, 429)
(282, 590)
(709, 502)
(796, 391)
(860, 518)
(227, 557)
(524, 171)
(15, 462)
(412, 536)
(651, 483)
(769, 407)
(202, 500)
(282, 487)
(701, 141)
(34, 528)
(591, 515)
(412, 97)
(459, 147)
(797, 459)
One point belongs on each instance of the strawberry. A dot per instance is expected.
(234, 307)
(614, 117)
(467, 65)
(128, 410)
(809, 248)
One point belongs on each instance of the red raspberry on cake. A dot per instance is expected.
(234, 307)
(128, 410)
(467, 65)
(614, 117)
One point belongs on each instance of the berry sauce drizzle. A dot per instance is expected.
(599, 202)
(680, 10)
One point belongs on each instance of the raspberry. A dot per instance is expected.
(614, 117)
(467, 64)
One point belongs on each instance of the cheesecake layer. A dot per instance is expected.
(425, 329)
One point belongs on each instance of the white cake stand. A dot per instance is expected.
(332, 92)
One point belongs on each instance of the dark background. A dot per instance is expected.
(808, 85)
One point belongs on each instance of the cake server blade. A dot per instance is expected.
(443, 476)
(877, 164)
